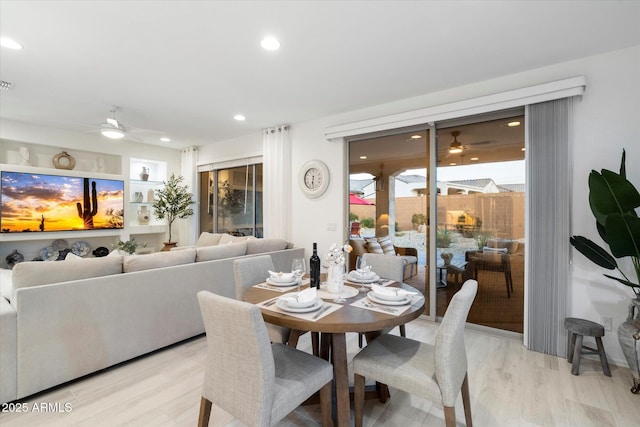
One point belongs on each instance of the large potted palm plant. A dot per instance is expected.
(613, 201)
(173, 201)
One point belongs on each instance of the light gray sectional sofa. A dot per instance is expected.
(65, 319)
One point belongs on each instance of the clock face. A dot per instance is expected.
(313, 179)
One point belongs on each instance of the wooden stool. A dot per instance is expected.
(579, 328)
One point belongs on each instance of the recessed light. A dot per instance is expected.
(239, 117)
(165, 139)
(10, 43)
(270, 43)
(474, 159)
(523, 149)
(363, 157)
(513, 124)
(416, 136)
(452, 164)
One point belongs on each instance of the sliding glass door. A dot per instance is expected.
(481, 216)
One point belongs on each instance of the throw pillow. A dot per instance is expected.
(374, 247)
(208, 239)
(387, 246)
(231, 250)
(487, 249)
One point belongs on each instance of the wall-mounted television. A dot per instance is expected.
(33, 202)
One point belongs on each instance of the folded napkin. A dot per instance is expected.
(363, 274)
(391, 292)
(301, 299)
(281, 277)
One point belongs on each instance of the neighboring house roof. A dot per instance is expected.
(511, 188)
(478, 183)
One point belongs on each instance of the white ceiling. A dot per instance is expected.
(184, 68)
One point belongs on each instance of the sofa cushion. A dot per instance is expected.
(258, 246)
(208, 239)
(33, 273)
(158, 260)
(374, 247)
(387, 246)
(209, 253)
(510, 245)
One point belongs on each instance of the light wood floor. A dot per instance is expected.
(510, 386)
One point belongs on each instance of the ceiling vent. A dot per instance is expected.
(4, 85)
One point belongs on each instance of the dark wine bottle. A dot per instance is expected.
(314, 268)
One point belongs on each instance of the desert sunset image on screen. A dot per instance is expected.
(36, 202)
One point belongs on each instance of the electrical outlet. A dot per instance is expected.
(607, 322)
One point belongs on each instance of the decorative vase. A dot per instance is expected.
(168, 245)
(144, 216)
(137, 196)
(151, 196)
(335, 278)
(629, 338)
(63, 160)
(144, 175)
(14, 258)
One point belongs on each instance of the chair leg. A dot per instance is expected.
(205, 412)
(294, 336)
(403, 331)
(325, 405)
(506, 281)
(570, 346)
(358, 399)
(466, 401)
(315, 343)
(577, 351)
(449, 416)
(603, 357)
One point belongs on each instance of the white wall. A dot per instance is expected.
(607, 118)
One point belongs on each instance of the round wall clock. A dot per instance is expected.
(314, 178)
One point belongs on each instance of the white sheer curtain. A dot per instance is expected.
(276, 181)
(188, 227)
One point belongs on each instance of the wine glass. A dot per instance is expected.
(297, 268)
(362, 267)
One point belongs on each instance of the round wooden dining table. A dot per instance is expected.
(332, 329)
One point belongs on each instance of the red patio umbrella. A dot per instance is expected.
(355, 200)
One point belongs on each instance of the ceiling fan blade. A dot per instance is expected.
(113, 122)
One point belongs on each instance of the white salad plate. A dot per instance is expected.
(272, 283)
(283, 305)
(353, 278)
(373, 297)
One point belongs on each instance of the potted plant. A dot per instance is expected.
(173, 201)
(613, 201)
(129, 246)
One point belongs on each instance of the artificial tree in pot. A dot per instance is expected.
(173, 201)
(613, 201)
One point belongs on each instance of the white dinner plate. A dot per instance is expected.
(372, 296)
(272, 283)
(356, 279)
(284, 306)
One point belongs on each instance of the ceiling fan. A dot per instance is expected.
(112, 128)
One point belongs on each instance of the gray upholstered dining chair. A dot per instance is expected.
(388, 267)
(251, 271)
(257, 382)
(433, 371)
